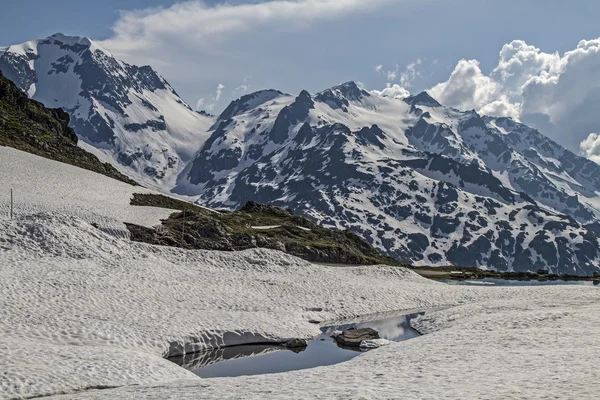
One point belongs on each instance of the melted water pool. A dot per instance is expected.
(269, 359)
(509, 282)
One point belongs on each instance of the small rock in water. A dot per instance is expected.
(354, 337)
(295, 343)
(335, 334)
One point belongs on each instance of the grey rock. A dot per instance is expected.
(353, 337)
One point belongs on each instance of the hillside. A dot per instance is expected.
(29, 126)
(253, 226)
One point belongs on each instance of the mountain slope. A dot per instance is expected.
(29, 126)
(424, 183)
(125, 114)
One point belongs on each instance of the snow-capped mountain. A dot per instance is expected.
(127, 115)
(427, 184)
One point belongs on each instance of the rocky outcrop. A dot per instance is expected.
(254, 207)
(354, 337)
(253, 226)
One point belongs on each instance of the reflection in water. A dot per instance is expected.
(268, 359)
(212, 356)
(392, 328)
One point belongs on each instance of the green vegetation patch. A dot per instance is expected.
(200, 228)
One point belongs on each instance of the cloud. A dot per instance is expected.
(196, 21)
(201, 103)
(410, 74)
(195, 44)
(393, 91)
(590, 147)
(557, 94)
(392, 75)
(407, 77)
(467, 88)
(219, 92)
(243, 88)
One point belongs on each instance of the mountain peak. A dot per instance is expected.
(249, 101)
(422, 99)
(339, 96)
(349, 85)
(75, 43)
(70, 40)
(130, 113)
(351, 91)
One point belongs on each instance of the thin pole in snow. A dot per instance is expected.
(11, 203)
(183, 229)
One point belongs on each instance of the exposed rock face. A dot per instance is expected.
(254, 207)
(130, 114)
(29, 126)
(426, 184)
(354, 337)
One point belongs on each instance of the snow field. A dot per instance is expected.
(81, 309)
(42, 185)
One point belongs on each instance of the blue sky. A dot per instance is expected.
(212, 51)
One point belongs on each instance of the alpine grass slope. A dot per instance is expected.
(125, 114)
(427, 184)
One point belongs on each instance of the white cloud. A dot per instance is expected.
(392, 75)
(201, 104)
(393, 91)
(467, 88)
(198, 23)
(407, 77)
(219, 92)
(243, 88)
(590, 147)
(410, 74)
(557, 94)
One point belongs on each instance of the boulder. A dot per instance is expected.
(354, 337)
